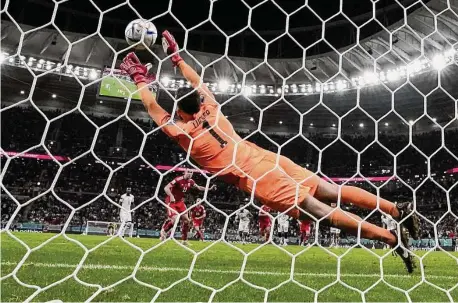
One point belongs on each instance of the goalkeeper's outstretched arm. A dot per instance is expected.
(171, 48)
(139, 74)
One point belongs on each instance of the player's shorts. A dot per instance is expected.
(277, 189)
(175, 208)
(305, 228)
(335, 231)
(283, 228)
(197, 222)
(244, 226)
(125, 216)
(264, 223)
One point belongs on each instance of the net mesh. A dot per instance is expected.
(412, 67)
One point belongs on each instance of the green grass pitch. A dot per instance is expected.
(269, 273)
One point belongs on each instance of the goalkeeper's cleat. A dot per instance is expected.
(403, 252)
(411, 223)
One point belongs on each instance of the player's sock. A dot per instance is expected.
(184, 231)
(346, 221)
(200, 235)
(167, 226)
(364, 199)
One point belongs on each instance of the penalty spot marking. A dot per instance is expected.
(197, 270)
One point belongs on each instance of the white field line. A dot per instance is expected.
(248, 272)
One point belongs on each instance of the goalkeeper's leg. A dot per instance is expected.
(345, 220)
(350, 194)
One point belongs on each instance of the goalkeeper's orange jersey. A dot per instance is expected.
(216, 147)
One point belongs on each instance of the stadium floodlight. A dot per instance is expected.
(251, 119)
(340, 85)
(386, 124)
(317, 87)
(54, 96)
(392, 75)
(92, 75)
(247, 91)
(450, 53)
(280, 122)
(271, 91)
(262, 89)
(361, 125)
(325, 87)
(39, 65)
(223, 85)
(165, 81)
(22, 92)
(438, 62)
(415, 67)
(333, 125)
(310, 89)
(370, 77)
(278, 90)
(311, 124)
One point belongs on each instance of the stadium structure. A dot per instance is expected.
(361, 92)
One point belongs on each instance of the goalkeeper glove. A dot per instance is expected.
(136, 70)
(170, 47)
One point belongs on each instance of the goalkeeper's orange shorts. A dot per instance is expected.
(283, 187)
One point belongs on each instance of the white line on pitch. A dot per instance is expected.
(248, 272)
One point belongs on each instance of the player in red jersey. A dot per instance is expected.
(208, 136)
(198, 215)
(305, 227)
(176, 191)
(264, 222)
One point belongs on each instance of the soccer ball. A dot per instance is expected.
(141, 30)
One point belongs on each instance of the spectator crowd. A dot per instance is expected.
(85, 189)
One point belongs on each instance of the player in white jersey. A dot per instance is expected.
(283, 227)
(125, 215)
(389, 224)
(335, 237)
(243, 217)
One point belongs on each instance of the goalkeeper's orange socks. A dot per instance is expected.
(365, 199)
(349, 223)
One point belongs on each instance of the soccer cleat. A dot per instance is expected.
(412, 223)
(402, 251)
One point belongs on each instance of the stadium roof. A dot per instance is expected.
(377, 46)
(399, 43)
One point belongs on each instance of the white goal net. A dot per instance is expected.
(359, 94)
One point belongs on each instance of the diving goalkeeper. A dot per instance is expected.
(286, 187)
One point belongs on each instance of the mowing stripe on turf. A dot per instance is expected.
(248, 272)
